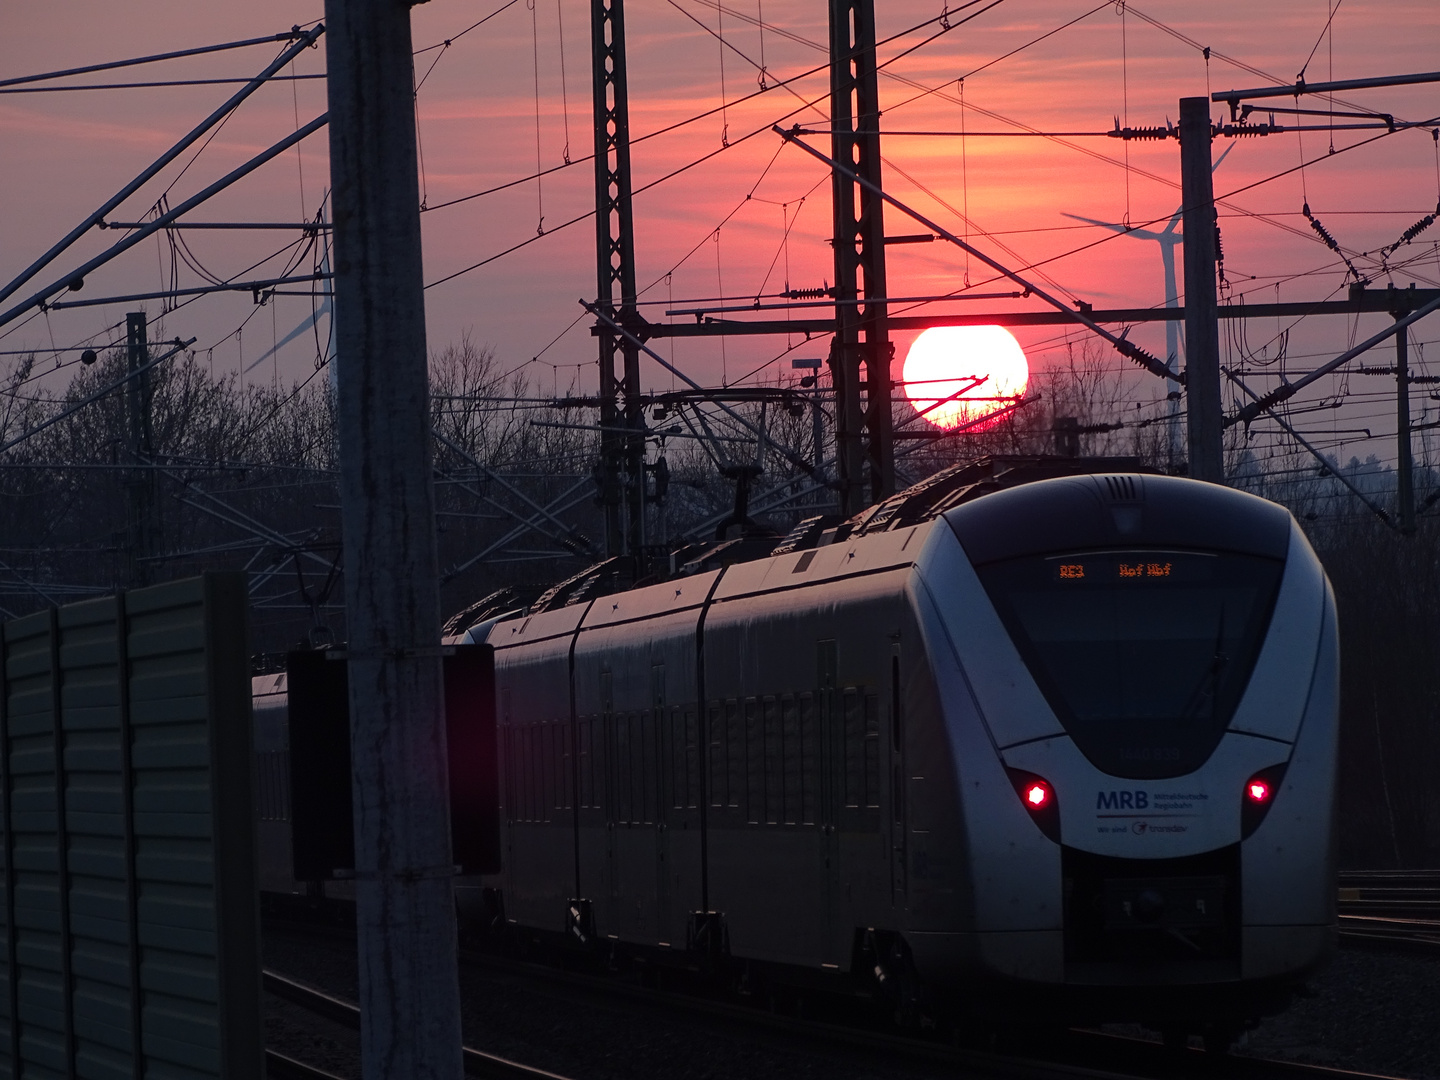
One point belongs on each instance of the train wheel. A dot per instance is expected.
(1219, 1039)
(1176, 1040)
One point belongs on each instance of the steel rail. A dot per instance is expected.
(1096, 1055)
(477, 1062)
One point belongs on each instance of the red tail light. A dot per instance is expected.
(1039, 798)
(1037, 795)
(1258, 797)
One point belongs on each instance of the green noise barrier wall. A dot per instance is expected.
(130, 919)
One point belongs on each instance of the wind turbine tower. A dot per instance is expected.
(1168, 239)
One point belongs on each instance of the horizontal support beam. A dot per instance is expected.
(303, 226)
(1338, 86)
(266, 286)
(1368, 300)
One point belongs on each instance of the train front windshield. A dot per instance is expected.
(1144, 655)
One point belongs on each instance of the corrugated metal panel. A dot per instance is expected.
(125, 744)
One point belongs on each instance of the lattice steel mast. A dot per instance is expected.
(622, 456)
(860, 329)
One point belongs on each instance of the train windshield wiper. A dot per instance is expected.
(1210, 681)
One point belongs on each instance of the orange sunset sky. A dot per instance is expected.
(478, 106)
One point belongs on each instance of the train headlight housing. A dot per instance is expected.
(1039, 798)
(1259, 795)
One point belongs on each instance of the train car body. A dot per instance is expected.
(1064, 748)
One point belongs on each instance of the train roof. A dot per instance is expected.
(935, 496)
(1119, 510)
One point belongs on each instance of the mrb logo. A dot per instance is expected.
(1122, 800)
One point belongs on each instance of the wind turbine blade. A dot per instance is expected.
(1139, 234)
(305, 325)
(1179, 210)
(1091, 221)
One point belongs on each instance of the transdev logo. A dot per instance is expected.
(1122, 800)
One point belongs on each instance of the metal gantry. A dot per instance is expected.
(861, 335)
(622, 454)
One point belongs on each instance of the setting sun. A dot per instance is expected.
(948, 360)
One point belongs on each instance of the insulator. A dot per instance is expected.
(1321, 230)
(1141, 133)
(1131, 351)
(1238, 131)
(1412, 232)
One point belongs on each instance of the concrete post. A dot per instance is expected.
(405, 914)
(1202, 332)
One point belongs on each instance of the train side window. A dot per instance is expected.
(507, 773)
(692, 759)
(809, 760)
(754, 763)
(636, 764)
(526, 733)
(717, 755)
(790, 752)
(270, 772)
(853, 717)
(735, 755)
(599, 791)
(522, 809)
(620, 766)
(562, 763)
(649, 765)
(537, 771)
(675, 760)
(547, 756)
(872, 750)
(570, 773)
(774, 762)
(587, 782)
(605, 745)
(507, 763)
(827, 664)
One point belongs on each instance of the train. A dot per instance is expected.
(1035, 738)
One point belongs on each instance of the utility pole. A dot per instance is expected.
(1202, 327)
(404, 898)
(622, 456)
(1404, 463)
(859, 238)
(141, 484)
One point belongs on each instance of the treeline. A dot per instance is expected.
(234, 474)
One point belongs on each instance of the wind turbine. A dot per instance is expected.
(1168, 239)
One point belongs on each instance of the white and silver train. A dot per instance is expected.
(1066, 747)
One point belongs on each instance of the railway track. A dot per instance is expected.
(1074, 1054)
(1395, 907)
(477, 1062)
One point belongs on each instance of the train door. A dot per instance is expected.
(607, 753)
(899, 814)
(659, 737)
(831, 759)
